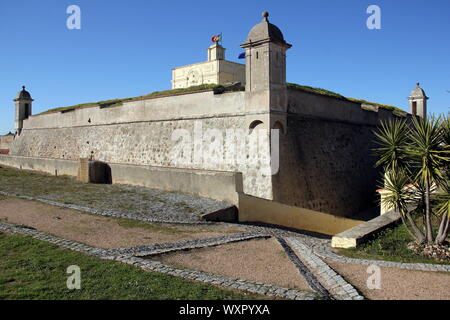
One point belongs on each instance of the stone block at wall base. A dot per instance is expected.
(351, 238)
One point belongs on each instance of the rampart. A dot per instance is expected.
(326, 161)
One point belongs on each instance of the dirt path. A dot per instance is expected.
(397, 284)
(99, 231)
(255, 260)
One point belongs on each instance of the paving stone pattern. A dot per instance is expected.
(313, 283)
(304, 249)
(244, 285)
(332, 281)
(166, 247)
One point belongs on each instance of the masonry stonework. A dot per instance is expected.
(325, 144)
(6, 141)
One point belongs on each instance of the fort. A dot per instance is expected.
(320, 143)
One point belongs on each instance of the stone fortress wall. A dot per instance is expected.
(325, 150)
(141, 133)
(327, 161)
(324, 167)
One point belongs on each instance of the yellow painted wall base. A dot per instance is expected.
(252, 209)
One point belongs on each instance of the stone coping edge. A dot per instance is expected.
(352, 237)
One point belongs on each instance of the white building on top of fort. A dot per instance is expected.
(216, 70)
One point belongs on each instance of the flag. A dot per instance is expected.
(217, 38)
(242, 55)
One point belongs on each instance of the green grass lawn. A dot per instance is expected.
(33, 269)
(390, 244)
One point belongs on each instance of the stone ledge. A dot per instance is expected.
(356, 235)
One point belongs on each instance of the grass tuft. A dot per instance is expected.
(128, 223)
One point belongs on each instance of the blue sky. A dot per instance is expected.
(127, 48)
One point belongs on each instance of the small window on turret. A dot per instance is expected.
(27, 111)
(414, 108)
(257, 55)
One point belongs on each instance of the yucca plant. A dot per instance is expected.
(443, 195)
(443, 211)
(401, 197)
(392, 138)
(415, 159)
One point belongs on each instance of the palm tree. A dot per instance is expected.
(415, 160)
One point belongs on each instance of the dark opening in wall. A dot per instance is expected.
(254, 124)
(278, 126)
(414, 108)
(27, 110)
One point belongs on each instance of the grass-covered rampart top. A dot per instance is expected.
(156, 94)
(332, 94)
(211, 87)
